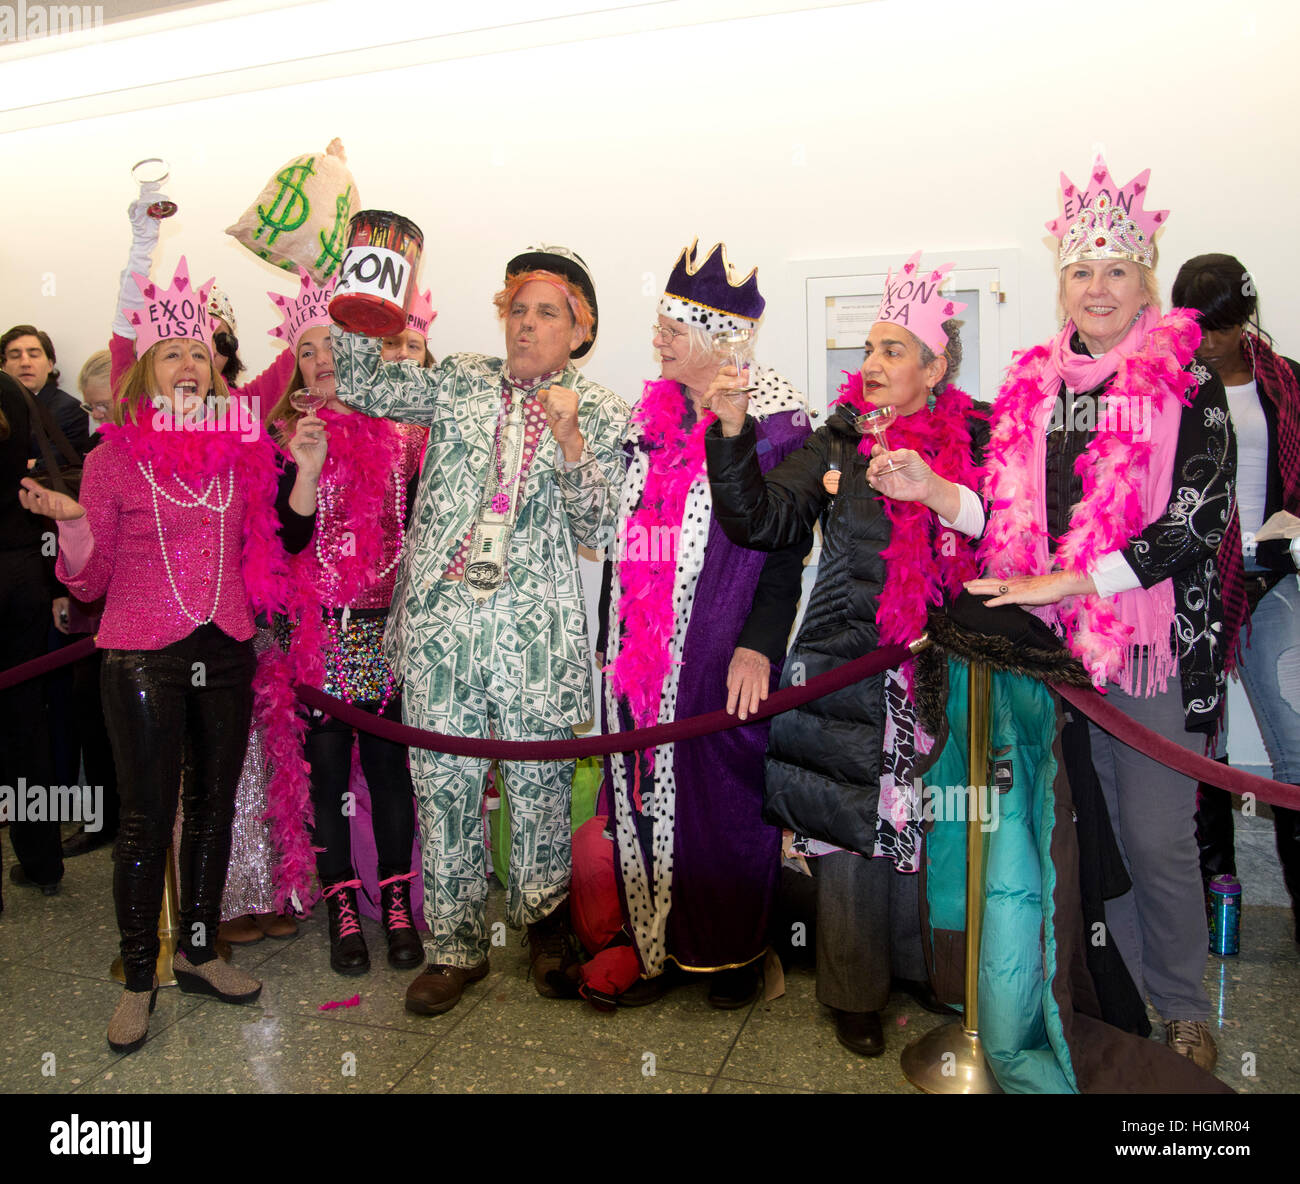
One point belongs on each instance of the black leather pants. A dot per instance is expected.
(197, 690)
(392, 800)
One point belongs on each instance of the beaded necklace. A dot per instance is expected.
(511, 390)
(330, 580)
(199, 500)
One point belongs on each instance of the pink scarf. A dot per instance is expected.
(675, 456)
(923, 565)
(1127, 477)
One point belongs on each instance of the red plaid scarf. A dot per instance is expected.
(1275, 381)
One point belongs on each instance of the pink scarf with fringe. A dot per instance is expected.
(363, 454)
(1127, 477)
(925, 562)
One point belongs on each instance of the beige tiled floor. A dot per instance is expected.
(56, 996)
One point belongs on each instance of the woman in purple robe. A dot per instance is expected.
(696, 624)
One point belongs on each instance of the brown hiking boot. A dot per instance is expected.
(1192, 1039)
(552, 956)
(440, 987)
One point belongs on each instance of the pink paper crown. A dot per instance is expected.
(421, 313)
(178, 311)
(310, 307)
(912, 299)
(1105, 220)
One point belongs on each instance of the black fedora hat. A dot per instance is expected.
(565, 263)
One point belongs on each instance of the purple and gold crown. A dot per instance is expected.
(702, 292)
(310, 307)
(178, 311)
(1105, 220)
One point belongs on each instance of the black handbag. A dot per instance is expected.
(65, 478)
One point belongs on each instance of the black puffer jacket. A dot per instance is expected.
(823, 762)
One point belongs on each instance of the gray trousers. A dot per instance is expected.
(1159, 925)
(868, 928)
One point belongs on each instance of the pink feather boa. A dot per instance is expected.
(363, 455)
(925, 563)
(1115, 468)
(646, 617)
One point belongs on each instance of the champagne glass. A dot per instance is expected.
(876, 421)
(151, 174)
(726, 345)
(308, 400)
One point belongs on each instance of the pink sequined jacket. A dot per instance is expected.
(158, 590)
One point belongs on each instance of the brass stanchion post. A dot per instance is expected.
(949, 1059)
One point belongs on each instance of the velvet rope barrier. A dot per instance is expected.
(560, 750)
(1174, 756)
(1094, 706)
(46, 662)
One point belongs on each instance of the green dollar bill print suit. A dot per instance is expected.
(516, 666)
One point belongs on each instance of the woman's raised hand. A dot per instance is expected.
(309, 445)
(912, 481)
(35, 497)
(727, 402)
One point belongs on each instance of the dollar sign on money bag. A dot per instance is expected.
(333, 249)
(290, 208)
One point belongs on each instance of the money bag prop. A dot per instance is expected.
(300, 219)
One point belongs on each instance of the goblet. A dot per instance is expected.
(726, 344)
(876, 421)
(308, 400)
(151, 174)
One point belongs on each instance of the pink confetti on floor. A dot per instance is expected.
(902, 1019)
(355, 1001)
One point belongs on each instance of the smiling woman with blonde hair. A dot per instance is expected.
(1109, 530)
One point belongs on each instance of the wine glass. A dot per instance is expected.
(876, 421)
(151, 174)
(308, 400)
(726, 344)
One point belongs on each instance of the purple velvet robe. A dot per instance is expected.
(725, 859)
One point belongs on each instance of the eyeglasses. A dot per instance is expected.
(669, 335)
(91, 408)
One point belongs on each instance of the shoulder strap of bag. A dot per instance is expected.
(44, 426)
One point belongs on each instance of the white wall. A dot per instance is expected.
(840, 131)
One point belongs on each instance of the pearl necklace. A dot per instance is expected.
(199, 500)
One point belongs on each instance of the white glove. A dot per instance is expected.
(144, 237)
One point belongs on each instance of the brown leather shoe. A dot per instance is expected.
(1192, 1039)
(440, 987)
(552, 957)
(240, 931)
(275, 925)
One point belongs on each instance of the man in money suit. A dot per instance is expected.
(488, 628)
